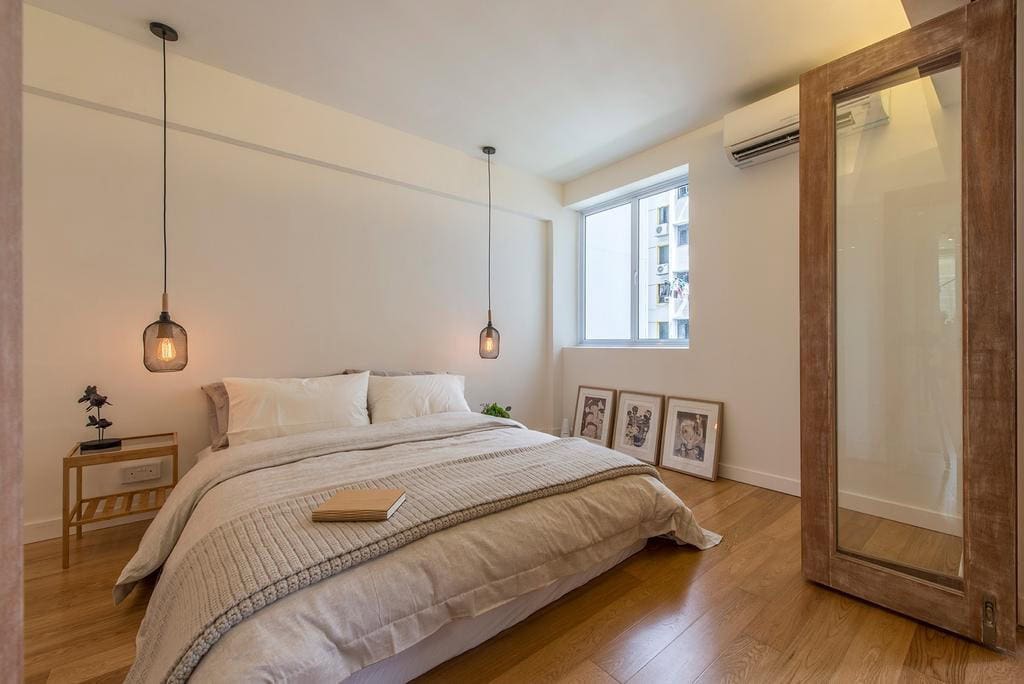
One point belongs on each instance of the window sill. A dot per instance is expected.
(612, 345)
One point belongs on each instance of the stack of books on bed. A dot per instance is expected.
(360, 505)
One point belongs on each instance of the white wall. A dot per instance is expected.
(744, 305)
(303, 240)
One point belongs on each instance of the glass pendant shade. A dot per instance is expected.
(164, 345)
(490, 341)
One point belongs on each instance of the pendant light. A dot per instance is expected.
(490, 340)
(164, 342)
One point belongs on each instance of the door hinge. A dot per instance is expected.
(988, 621)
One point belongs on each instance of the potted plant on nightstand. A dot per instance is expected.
(94, 400)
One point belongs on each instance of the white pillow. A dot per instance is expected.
(265, 408)
(408, 396)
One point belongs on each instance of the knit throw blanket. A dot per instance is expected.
(249, 562)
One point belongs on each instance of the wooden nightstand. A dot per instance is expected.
(102, 508)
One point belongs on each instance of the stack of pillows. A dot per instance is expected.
(250, 409)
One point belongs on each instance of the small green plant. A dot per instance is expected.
(496, 410)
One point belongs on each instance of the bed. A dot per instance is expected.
(499, 521)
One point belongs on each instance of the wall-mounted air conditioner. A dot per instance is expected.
(661, 230)
(770, 128)
(662, 269)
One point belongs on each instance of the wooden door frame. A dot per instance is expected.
(11, 613)
(982, 33)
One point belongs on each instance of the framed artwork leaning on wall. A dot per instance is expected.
(638, 424)
(595, 409)
(692, 437)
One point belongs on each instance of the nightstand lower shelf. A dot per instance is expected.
(100, 508)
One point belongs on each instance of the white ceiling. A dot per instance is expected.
(560, 87)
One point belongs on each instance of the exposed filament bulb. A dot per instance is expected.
(166, 351)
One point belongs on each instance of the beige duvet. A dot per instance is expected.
(370, 612)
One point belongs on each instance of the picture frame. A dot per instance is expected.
(691, 438)
(638, 419)
(594, 415)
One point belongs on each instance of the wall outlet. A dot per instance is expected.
(140, 473)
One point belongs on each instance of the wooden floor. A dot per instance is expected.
(738, 612)
(907, 545)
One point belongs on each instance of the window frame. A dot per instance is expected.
(633, 199)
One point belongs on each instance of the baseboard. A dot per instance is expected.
(41, 530)
(900, 512)
(911, 515)
(778, 483)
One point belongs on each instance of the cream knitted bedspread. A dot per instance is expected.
(268, 552)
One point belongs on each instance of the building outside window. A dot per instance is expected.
(635, 268)
(664, 292)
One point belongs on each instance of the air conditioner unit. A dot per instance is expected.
(661, 230)
(770, 128)
(662, 269)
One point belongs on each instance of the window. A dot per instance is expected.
(634, 277)
(682, 235)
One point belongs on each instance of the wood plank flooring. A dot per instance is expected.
(737, 613)
(907, 545)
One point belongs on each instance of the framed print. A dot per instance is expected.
(595, 407)
(692, 437)
(637, 425)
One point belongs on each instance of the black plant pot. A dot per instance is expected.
(97, 444)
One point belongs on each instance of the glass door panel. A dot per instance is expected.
(899, 325)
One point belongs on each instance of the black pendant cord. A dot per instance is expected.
(163, 42)
(488, 238)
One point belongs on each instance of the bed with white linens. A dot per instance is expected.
(498, 521)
